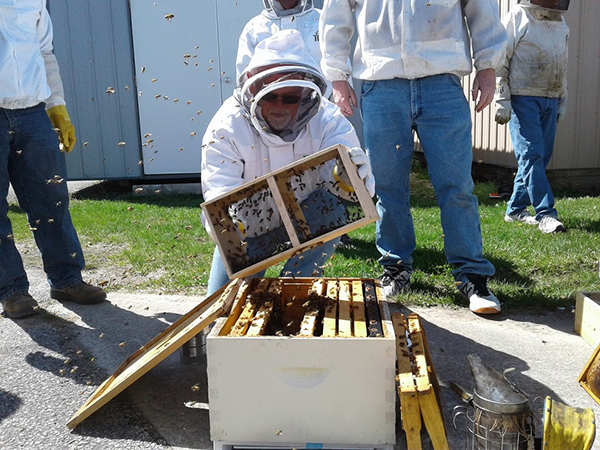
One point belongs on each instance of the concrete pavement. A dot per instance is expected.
(53, 362)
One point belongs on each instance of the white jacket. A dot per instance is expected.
(234, 152)
(409, 38)
(28, 69)
(268, 23)
(536, 57)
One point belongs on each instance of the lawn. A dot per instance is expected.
(157, 244)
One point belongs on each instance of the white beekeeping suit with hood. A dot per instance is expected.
(241, 144)
(536, 55)
(303, 17)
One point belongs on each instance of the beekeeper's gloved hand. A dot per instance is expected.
(361, 160)
(503, 109)
(62, 122)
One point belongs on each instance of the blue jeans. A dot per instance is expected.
(532, 131)
(436, 108)
(31, 161)
(310, 262)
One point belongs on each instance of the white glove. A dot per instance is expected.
(361, 161)
(503, 109)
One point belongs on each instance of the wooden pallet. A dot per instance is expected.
(418, 386)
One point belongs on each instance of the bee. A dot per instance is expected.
(110, 90)
(101, 335)
(121, 144)
(195, 388)
(122, 344)
(169, 17)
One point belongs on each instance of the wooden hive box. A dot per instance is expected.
(230, 214)
(587, 317)
(304, 376)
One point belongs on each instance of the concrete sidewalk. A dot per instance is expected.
(53, 362)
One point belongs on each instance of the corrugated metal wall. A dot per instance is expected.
(578, 135)
(92, 42)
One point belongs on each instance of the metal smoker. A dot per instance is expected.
(498, 416)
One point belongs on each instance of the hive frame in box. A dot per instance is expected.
(324, 392)
(225, 231)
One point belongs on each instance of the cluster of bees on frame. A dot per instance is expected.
(326, 206)
(288, 312)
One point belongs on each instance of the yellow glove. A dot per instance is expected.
(66, 131)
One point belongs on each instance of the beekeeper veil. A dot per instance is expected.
(554, 5)
(282, 87)
(274, 9)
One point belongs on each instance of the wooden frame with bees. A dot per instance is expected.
(283, 189)
(324, 378)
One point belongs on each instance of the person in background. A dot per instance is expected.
(531, 95)
(410, 57)
(276, 116)
(32, 107)
(279, 15)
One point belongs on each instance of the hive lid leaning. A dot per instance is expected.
(149, 355)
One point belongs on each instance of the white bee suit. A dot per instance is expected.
(29, 72)
(304, 18)
(237, 149)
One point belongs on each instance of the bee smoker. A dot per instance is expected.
(498, 416)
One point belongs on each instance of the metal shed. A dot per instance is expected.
(144, 77)
(142, 80)
(576, 159)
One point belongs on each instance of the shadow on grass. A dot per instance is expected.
(120, 191)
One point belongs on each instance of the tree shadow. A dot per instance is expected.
(9, 404)
(92, 343)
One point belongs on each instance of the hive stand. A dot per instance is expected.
(418, 387)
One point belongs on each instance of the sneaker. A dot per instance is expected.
(20, 305)
(550, 224)
(521, 216)
(395, 280)
(481, 300)
(81, 293)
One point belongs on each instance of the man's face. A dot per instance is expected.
(288, 4)
(280, 107)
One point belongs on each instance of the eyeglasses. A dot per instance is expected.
(286, 99)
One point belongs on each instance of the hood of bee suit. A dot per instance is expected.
(281, 61)
(274, 10)
(550, 5)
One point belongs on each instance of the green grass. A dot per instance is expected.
(160, 241)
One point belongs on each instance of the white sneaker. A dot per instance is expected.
(395, 280)
(481, 300)
(521, 216)
(549, 224)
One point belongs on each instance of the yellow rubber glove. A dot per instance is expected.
(62, 122)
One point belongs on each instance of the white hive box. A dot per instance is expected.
(319, 391)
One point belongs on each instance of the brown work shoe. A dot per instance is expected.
(81, 293)
(20, 305)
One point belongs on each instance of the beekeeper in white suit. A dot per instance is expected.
(276, 116)
(279, 15)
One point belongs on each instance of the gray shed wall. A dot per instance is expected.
(92, 42)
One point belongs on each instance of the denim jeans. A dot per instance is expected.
(31, 161)
(310, 262)
(532, 131)
(435, 107)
